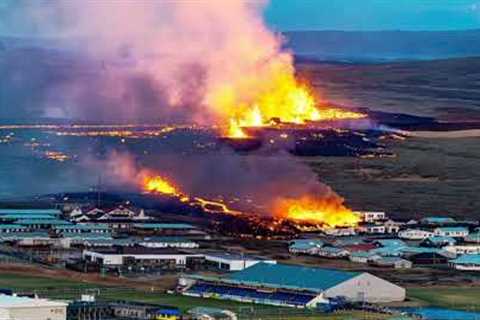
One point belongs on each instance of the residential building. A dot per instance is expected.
(473, 237)
(438, 242)
(372, 228)
(437, 220)
(415, 234)
(392, 226)
(372, 216)
(463, 249)
(393, 262)
(469, 262)
(363, 256)
(455, 232)
(332, 252)
(305, 246)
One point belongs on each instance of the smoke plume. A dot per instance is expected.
(158, 60)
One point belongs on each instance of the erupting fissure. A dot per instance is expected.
(287, 102)
(328, 211)
(160, 185)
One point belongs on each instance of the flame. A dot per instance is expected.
(329, 211)
(158, 184)
(285, 100)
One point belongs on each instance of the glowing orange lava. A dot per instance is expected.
(329, 211)
(158, 184)
(287, 101)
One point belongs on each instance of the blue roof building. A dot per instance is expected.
(305, 245)
(300, 281)
(438, 220)
(164, 226)
(52, 212)
(438, 241)
(467, 262)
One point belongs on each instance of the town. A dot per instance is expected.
(126, 242)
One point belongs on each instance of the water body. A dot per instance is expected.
(443, 314)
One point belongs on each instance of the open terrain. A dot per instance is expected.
(426, 177)
(446, 89)
(433, 172)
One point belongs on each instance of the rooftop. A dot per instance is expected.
(391, 243)
(303, 244)
(453, 229)
(291, 276)
(27, 216)
(43, 221)
(467, 259)
(164, 226)
(438, 220)
(92, 226)
(17, 302)
(55, 212)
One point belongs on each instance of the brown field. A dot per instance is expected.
(433, 173)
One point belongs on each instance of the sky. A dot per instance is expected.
(285, 15)
(363, 15)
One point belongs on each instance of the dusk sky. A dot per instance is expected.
(374, 14)
(285, 15)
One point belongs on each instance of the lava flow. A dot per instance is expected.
(323, 212)
(328, 211)
(160, 185)
(286, 102)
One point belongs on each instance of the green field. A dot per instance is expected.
(465, 298)
(68, 289)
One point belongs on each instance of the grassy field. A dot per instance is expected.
(427, 177)
(465, 298)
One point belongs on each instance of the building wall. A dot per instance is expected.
(38, 313)
(368, 288)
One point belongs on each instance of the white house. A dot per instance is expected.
(455, 232)
(474, 249)
(415, 234)
(392, 226)
(372, 216)
(372, 229)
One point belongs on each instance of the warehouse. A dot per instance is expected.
(293, 286)
(12, 307)
(139, 256)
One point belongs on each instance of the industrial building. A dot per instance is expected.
(140, 256)
(13, 308)
(293, 286)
